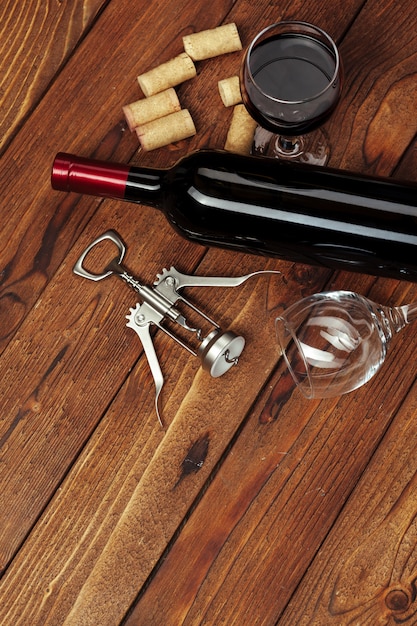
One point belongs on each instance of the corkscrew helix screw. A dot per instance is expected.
(218, 350)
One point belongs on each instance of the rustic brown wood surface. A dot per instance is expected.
(253, 505)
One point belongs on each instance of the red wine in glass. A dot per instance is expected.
(291, 83)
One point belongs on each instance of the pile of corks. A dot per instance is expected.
(158, 118)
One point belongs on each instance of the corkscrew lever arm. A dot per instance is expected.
(138, 321)
(186, 280)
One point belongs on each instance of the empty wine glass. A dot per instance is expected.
(291, 83)
(334, 342)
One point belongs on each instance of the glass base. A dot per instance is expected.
(312, 148)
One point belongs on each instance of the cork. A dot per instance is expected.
(149, 109)
(213, 42)
(229, 89)
(169, 74)
(166, 130)
(241, 131)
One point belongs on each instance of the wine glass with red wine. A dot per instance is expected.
(291, 83)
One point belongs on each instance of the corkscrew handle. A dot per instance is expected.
(112, 236)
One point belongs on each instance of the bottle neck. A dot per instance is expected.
(144, 185)
(106, 179)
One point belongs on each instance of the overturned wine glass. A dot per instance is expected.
(291, 81)
(334, 342)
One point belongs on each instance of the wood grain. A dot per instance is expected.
(40, 228)
(379, 90)
(277, 493)
(371, 571)
(254, 505)
(160, 494)
(36, 38)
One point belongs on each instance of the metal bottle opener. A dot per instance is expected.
(218, 350)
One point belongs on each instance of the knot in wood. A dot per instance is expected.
(196, 456)
(398, 600)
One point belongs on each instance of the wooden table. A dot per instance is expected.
(253, 505)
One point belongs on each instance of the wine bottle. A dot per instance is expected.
(303, 213)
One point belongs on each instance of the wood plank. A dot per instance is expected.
(28, 272)
(36, 38)
(379, 515)
(254, 565)
(132, 487)
(379, 93)
(61, 382)
(117, 507)
(40, 225)
(365, 571)
(247, 544)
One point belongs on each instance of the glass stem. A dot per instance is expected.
(409, 312)
(289, 145)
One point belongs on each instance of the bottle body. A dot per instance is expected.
(301, 213)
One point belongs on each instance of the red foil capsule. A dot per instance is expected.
(92, 177)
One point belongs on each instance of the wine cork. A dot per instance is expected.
(213, 42)
(229, 89)
(167, 75)
(241, 131)
(149, 109)
(166, 130)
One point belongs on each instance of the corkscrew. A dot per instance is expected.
(218, 350)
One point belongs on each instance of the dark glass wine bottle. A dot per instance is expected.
(263, 206)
